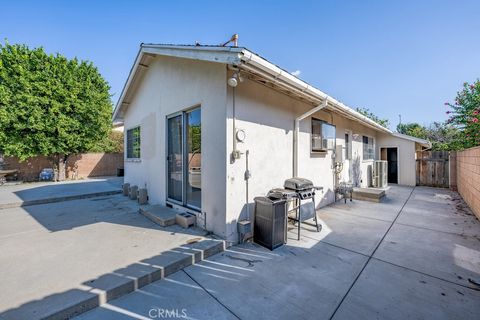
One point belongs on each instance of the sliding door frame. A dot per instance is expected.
(185, 172)
(167, 144)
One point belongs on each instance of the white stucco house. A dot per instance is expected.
(197, 117)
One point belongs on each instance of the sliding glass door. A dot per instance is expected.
(184, 158)
(193, 177)
(175, 158)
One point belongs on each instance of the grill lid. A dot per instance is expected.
(297, 184)
(279, 193)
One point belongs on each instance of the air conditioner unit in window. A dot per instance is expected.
(318, 144)
(379, 174)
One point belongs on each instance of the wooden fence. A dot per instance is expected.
(433, 169)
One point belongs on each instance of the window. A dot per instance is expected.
(348, 146)
(133, 143)
(323, 136)
(368, 148)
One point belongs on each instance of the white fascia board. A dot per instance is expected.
(423, 142)
(225, 55)
(134, 68)
(279, 74)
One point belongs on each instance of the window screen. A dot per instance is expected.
(348, 147)
(133, 143)
(368, 148)
(323, 136)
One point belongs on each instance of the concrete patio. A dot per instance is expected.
(32, 193)
(58, 258)
(412, 256)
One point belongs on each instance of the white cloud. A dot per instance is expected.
(296, 73)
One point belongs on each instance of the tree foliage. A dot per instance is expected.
(412, 129)
(111, 143)
(465, 114)
(443, 136)
(461, 130)
(50, 105)
(367, 113)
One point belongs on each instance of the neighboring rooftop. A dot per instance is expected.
(422, 142)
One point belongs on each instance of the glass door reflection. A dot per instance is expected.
(193, 176)
(184, 159)
(175, 159)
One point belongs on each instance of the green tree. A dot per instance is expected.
(465, 114)
(443, 136)
(367, 113)
(412, 129)
(111, 143)
(50, 105)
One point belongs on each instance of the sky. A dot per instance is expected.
(393, 57)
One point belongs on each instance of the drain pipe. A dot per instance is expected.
(247, 176)
(296, 130)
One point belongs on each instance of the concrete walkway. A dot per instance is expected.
(410, 257)
(62, 257)
(48, 192)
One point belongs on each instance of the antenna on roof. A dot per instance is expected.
(233, 39)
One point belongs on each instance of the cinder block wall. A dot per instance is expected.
(468, 177)
(93, 165)
(29, 169)
(78, 166)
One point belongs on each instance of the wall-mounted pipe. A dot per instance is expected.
(296, 131)
(234, 127)
(233, 82)
(247, 176)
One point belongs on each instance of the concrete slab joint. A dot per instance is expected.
(112, 286)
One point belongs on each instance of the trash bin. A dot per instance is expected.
(270, 222)
(120, 172)
(47, 174)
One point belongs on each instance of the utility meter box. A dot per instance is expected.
(339, 153)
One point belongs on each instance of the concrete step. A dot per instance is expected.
(368, 194)
(94, 293)
(57, 199)
(160, 215)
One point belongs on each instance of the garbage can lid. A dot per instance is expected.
(268, 200)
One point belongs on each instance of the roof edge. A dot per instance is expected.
(250, 58)
(125, 86)
(240, 56)
(423, 142)
(216, 54)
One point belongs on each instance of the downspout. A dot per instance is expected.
(234, 127)
(296, 130)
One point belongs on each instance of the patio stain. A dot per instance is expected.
(251, 263)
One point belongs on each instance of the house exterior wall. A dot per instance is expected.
(355, 170)
(406, 157)
(267, 117)
(171, 85)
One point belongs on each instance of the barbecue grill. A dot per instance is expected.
(303, 187)
(298, 190)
